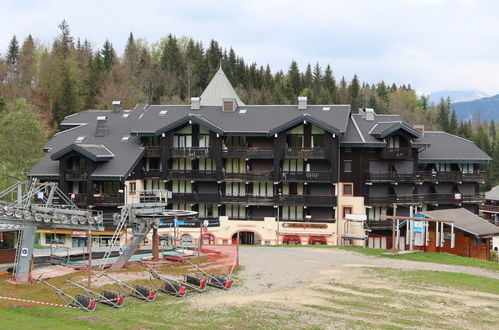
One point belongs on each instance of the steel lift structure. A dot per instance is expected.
(141, 216)
(33, 205)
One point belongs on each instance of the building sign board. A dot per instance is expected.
(304, 225)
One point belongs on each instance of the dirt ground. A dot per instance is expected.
(331, 279)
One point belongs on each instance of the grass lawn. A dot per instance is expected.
(392, 300)
(441, 258)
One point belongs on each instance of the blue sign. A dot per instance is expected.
(24, 252)
(418, 226)
(181, 222)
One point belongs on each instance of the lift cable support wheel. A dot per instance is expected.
(86, 303)
(32, 205)
(139, 291)
(107, 297)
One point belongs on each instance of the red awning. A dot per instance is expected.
(317, 239)
(291, 238)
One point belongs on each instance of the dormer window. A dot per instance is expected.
(229, 105)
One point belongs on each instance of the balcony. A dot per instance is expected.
(77, 174)
(196, 175)
(194, 198)
(190, 152)
(392, 177)
(431, 198)
(153, 151)
(151, 173)
(396, 153)
(305, 153)
(490, 208)
(327, 201)
(247, 200)
(316, 176)
(474, 177)
(97, 199)
(248, 152)
(249, 176)
(409, 199)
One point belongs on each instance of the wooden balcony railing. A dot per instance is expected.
(392, 177)
(490, 208)
(307, 200)
(248, 199)
(151, 173)
(190, 152)
(250, 176)
(396, 153)
(194, 198)
(430, 198)
(474, 177)
(306, 153)
(198, 175)
(77, 174)
(248, 152)
(153, 151)
(304, 176)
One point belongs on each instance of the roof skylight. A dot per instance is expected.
(243, 110)
(326, 108)
(125, 115)
(163, 112)
(101, 117)
(80, 138)
(125, 138)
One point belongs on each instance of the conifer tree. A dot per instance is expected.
(12, 52)
(293, 81)
(108, 55)
(443, 115)
(453, 123)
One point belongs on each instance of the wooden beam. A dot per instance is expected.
(394, 217)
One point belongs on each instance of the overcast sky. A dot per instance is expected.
(431, 44)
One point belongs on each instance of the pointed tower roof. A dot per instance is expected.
(218, 89)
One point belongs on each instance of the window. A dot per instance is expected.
(235, 165)
(133, 188)
(236, 141)
(182, 164)
(207, 164)
(243, 111)
(235, 189)
(181, 186)
(228, 106)
(125, 138)
(208, 210)
(163, 112)
(80, 138)
(264, 189)
(346, 210)
(348, 189)
(347, 166)
(291, 165)
(125, 115)
(394, 142)
(292, 213)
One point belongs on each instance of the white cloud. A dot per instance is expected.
(431, 44)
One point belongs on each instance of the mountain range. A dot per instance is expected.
(485, 108)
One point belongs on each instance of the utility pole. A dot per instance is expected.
(90, 243)
(394, 243)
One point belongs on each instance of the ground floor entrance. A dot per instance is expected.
(247, 238)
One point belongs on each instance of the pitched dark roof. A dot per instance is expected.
(116, 156)
(382, 129)
(95, 152)
(246, 120)
(445, 147)
(466, 221)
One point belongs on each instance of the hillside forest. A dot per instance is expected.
(41, 84)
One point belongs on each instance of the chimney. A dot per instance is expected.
(302, 103)
(116, 106)
(369, 114)
(229, 105)
(420, 129)
(101, 129)
(195, 103)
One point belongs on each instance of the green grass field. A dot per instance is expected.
(441, 258)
